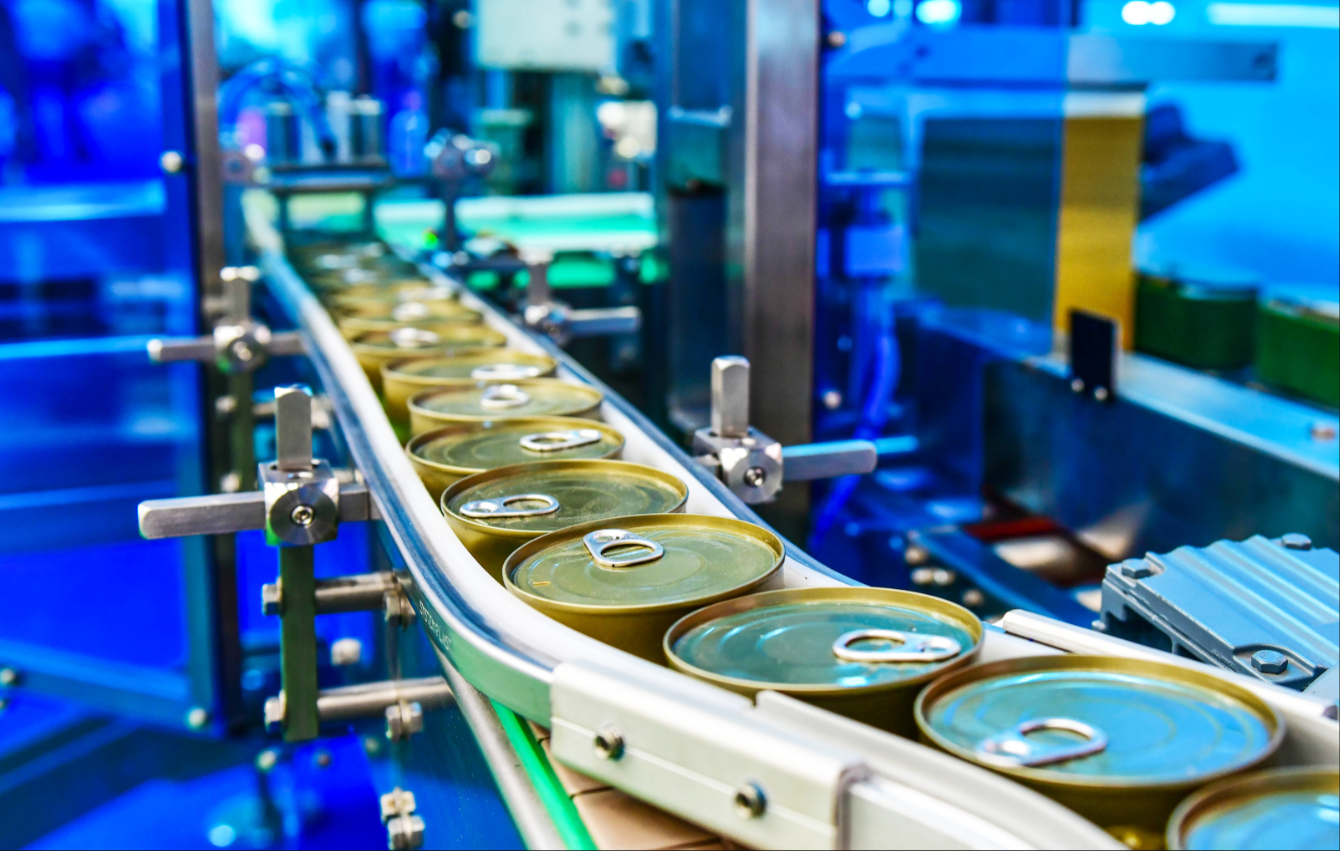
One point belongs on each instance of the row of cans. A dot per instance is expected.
(532, 483)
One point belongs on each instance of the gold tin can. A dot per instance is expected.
(860, 652)
(459, 333)
(1119, 741)
(625, 582)
(495, 512)
(405, 312)
(374, 348)
(381, 276)
(481, 400)
(1284, 808)
(402, 379)
(363, 295)
(446, 455)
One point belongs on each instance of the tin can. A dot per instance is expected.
(480, 400)
(461, 333)
(1283, 808)
(374, 294)
(1119, 741)
(495, 512)
(374, 348)
(446, 455)
(378, 315)
(625, 582)
(402, 379)
(860, 652)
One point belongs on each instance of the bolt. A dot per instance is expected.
(230, 483)
(915, 555)
(1077, 385)
(943, 577)
(1270, 661)
(1322, 431)
(197, 718)
(404, 833)
(403, 720)
(346, 651)
(836, 39)
(754, 477)
(609, 743)
(266, 760)
(923, 576)
(271, 599)
(302, 515)
(171, 162)
(322, 759)
(1100, 393)
(1295, 541)
(750, 802)
(972, 598)
(832, 400)
(9, 677)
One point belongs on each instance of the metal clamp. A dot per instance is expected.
(453, 159)
(499, 508)
(501, 397)
(1011, 748)
(599, 542)
(908, 646)
(554, 441)
(238, 344)
(561, 322)
(754, 465)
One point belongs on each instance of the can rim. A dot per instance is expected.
(1114, 664)
(539, 423)
(640, 521)
(557, 465)
(594, 397)
(1293, 778)
(765, 599)
(392, 370)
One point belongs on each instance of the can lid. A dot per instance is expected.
(644, 562)
(536, 397)
(481, 365)
(552, 495)
(1093, 720)
(487, 444)
(1284, 808)
(410, 339)
(825, 639)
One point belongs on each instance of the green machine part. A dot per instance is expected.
(1200, 325)
(1298, 349)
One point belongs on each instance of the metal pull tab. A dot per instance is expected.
(1011, 748)
(598, 542)
(505, 372)
(410, 311)
(482, 508)
(413, 338)
(908, 646)
(554, 441)
(504, 396)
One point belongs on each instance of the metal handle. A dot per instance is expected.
(505, 372)
(598, 542)
(908, 646)
(828, 460)
(499, 507)
(225, 513)
(503, 396)
(414, 338)
(554, 441)
(1011, 748)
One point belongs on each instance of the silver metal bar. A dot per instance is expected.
(730, 396)
(293, 428)
(828, 460)
(226, 513)
(532, 819)
(171, 351)
(603, 321)
(369, 700)
(363, 592)
(284, 343)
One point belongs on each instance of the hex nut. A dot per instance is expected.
(404, 833)
(750, 801)
(1295, 541)
(608, 743)
(346, 651)
(8, 677)
(1270, 661)
(197, 718)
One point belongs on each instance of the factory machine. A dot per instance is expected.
(864, 492)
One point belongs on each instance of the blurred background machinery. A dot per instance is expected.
(1071, 265)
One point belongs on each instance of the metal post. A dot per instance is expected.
(297, 578)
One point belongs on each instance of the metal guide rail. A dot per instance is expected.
(770, 773)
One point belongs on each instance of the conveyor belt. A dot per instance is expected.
(835, 783)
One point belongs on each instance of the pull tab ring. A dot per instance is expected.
(413, 338)
(409, 311)
(1011, 747)
(909, 647)
(606, 539)
(490, 508)
(504, 372)
(503, 396)
(554, 441)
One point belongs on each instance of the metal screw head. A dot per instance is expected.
(8, 677)
(1270, 661)
(197, 718)
(271, 599)
(266, 760)
(346, 651)
(608, 743)
(832, 400)
(171, 162)
(943, 577)
(1295, 541)
(230, 483)
(915, 555)
(973, 598)
(755, 477)
(750, 801)
(1077, 385)
(1100, 393)
(302, 515)
(322, 759)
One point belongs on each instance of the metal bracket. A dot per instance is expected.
(561, 322)
(367, 700)
(404, 830)
(743, 778)
(238, 344)
(453, 159)
(363, 592)
(753, 465)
